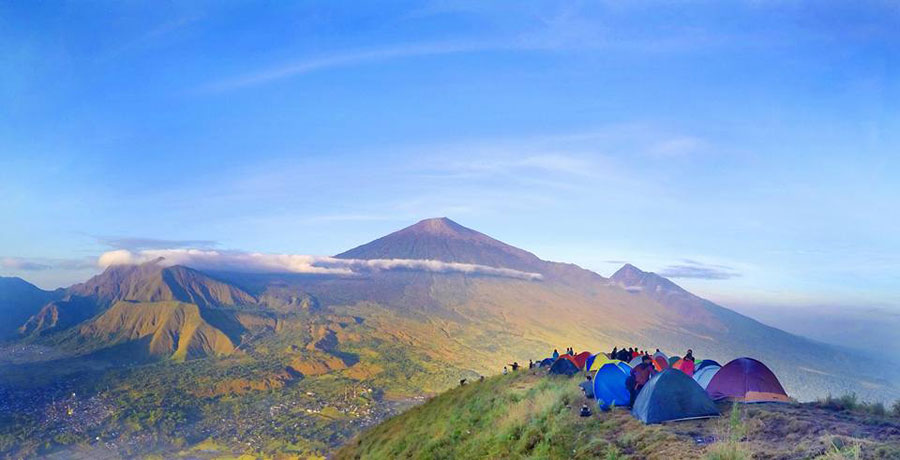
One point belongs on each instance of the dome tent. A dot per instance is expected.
(707, 362)
(672, 395)
(660, 363)
(746, 380)
(703, 376)
(581, 358)
(634, 362)
(547, 362)
(609, 386)
(600, 362)
(564, 365)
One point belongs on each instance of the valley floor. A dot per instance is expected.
(530, 415)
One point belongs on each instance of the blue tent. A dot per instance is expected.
(546, 362)
(625, 368)
(609, 386)
(703, 376)
(590, 360)
(672, 395)
(564, 366)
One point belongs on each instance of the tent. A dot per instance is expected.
(565, 365)
(609, 386)
(590, 360)
(600, 362)
(660, 363)
(546, 362)
(707, 362)
(581, 358)
(673, 360)
(634, 362)
(625, 368)
(659, 353)
(746, 380)
(703, 376)
(672, 395)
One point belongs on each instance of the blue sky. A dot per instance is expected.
(747, 149)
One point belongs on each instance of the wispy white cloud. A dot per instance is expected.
(699, 270)
(137, 243)
(41, 264)
(350, 58)
(296, 263)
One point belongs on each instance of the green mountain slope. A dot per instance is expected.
(528, 414)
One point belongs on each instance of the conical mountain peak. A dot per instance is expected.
(445, 240)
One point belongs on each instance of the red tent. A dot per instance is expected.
(581, 358)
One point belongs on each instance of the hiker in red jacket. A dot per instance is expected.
(639, 377)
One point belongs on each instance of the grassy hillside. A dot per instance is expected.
(530, 415)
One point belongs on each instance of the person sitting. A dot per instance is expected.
(634, 354)
(585, 411)
(555, 353)
(640, 375)
(614, 353)
(587, 387)
(505, 370)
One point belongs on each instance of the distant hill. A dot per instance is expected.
(19, 300)
(148, 282)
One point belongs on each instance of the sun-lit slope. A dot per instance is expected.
(480, 323)
(161, 329)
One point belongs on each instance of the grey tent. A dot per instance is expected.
(672, 395)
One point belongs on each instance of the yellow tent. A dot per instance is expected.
(600, 360)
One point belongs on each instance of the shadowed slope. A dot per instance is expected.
(19, 300)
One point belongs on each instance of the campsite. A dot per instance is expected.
(537, 412)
